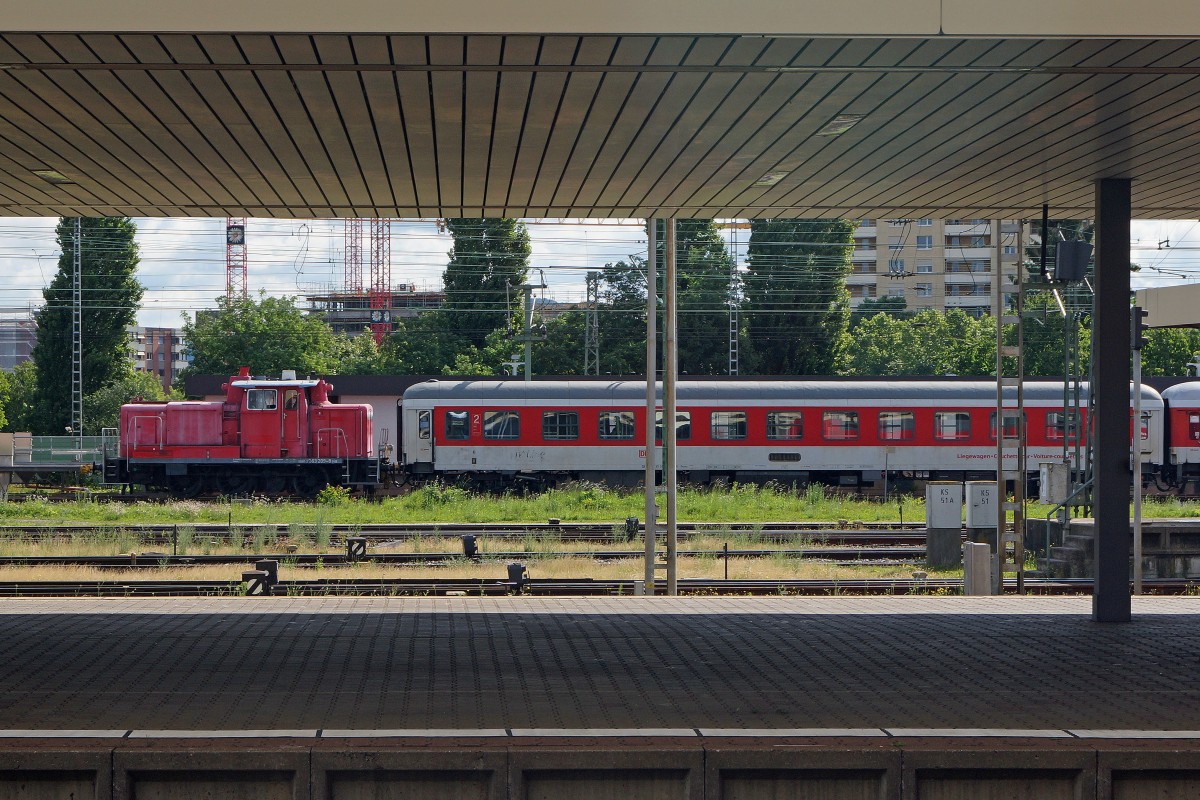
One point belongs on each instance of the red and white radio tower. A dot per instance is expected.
(235, 258)
(354, 261)
(381, 278)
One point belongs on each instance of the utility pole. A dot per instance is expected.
(591, 328)
(235, 259)
(528, 336)
(651, 380)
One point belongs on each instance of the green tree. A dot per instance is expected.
(357, 355)
(5, 394)
(102, 408)
(892, 306)
(796, 296)
(424, 345)
(1168, 351)
(561, 351)
(268, 335)
(928, 343)
(706, 289)
(20, 403)
(489, 260)
(1045, 334)
(621, 317)
(110, 296)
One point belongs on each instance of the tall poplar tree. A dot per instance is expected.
(706, 287)
(489, 260)
(796, 299)
(110, 295)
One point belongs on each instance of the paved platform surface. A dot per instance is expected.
(334, 667)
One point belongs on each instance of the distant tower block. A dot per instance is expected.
(354, 259)
(381, 278)
(235, 258)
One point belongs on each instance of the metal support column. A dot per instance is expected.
(651, 378)
(1010, 417)
(1110, 388)
(670, 373)
(77, 335)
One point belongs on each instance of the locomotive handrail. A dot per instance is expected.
(340, 438)
(158, 433)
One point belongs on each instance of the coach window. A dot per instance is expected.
(683, 425)
(1061, 423)
(785, 424)
(261, 399)
(1011, 427)
(560, 424)
(424, 424)
(897, 426)
(616, 425)
(839, 425)
(458, 425)
(951, 425)
(729, 424)
(501, 425)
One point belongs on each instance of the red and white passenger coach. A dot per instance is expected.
(840, 432)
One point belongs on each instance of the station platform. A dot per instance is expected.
(600, 697)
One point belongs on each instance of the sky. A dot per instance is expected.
(183, 260)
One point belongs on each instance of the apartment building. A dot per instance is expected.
(158, 350)
(931, 263)
(18, 335)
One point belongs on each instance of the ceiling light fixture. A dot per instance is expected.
(839, 125)
(771, 178)
(52, 176)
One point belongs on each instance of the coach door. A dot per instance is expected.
(417, 436)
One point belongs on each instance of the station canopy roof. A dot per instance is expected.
(615, 109)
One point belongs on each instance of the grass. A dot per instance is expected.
(435, 503)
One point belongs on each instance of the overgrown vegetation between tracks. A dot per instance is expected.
(437, 502)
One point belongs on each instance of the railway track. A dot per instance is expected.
(881, 534)
(545, 587)
(162, 560)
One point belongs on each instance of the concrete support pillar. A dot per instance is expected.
(1110, 388)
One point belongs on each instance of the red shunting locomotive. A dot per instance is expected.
(268, 436)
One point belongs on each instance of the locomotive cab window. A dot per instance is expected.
(729, 424)
(560, 424)
(291, 399)
(1194, 427)
(501, 425)
(897, 426)
(458, 425)
(683, 425)
(951, 425)
(785, 424)
(262, 399)
(839, 425)
(616, 425)
(1011, 425)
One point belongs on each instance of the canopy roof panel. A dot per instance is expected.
(596, 125)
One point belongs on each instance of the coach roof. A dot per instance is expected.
(827, 391)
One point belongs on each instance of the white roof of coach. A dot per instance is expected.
(828, 391)
(1185, 395)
